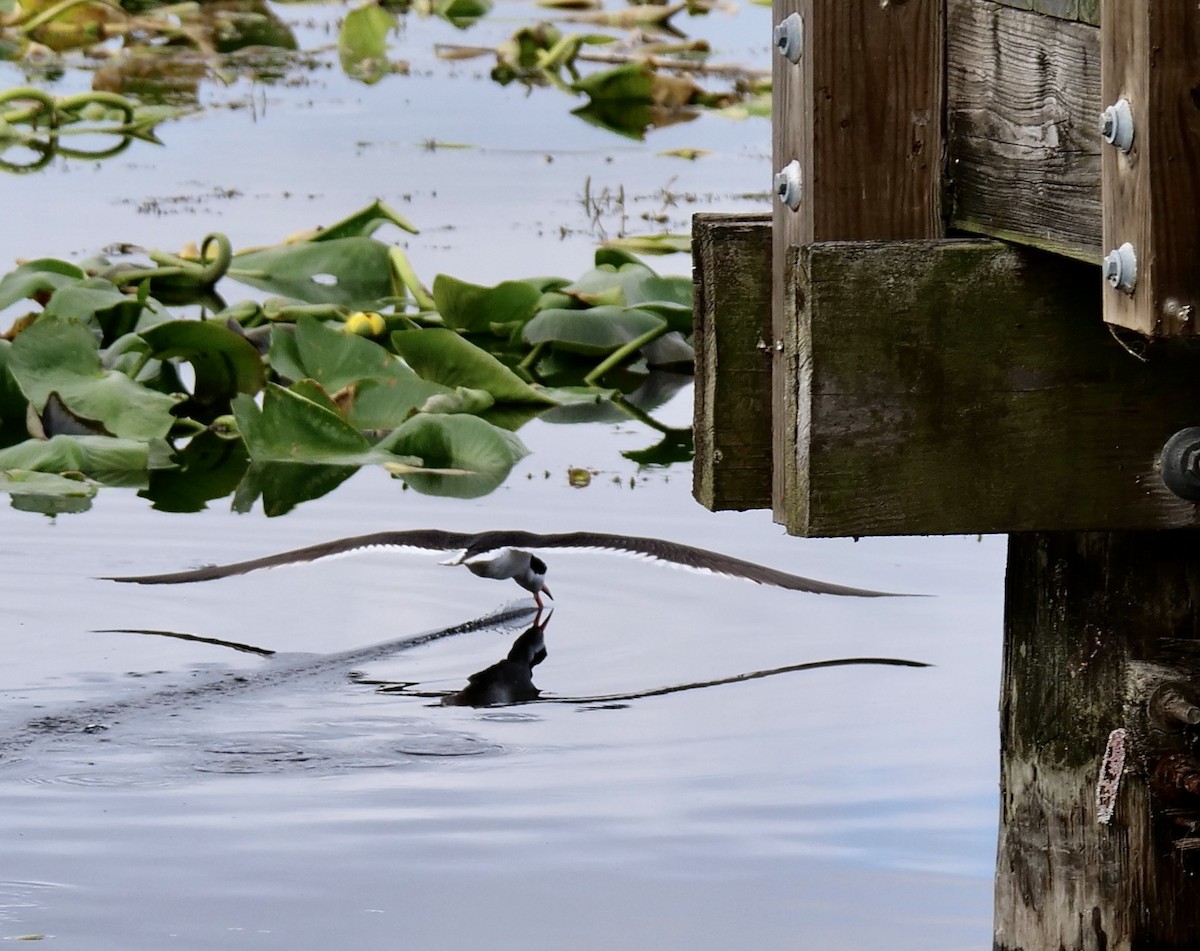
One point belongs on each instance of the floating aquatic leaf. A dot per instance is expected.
(384, 390)
(209, 467)
(597, 330)
(364, 223)
(690, 154)
(632, 17)
(362, 43)
(443, 356)
(482, 454)
(291, 428)
(653, 243)
(284, 485)
(102, 458)
(462, 13)
(29, 482)
(37, 280)
(225, 363)
(54, 356)
(474, 309)
(352, 272)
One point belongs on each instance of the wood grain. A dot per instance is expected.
(1094, 622)
(732, 419)
(966, 386)
(861, 112)
(1023, 96)
(1151, 57)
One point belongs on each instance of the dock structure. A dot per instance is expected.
(973, 310)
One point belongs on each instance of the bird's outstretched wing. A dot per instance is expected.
(672, 553)
(656, 549)
(427, 539)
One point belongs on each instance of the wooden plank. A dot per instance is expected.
(1097, 627)
(1023, 96)
(861, 113)
(967, 386)
(1151, 57)
(732, 419)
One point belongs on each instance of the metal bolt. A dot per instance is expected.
(1120, 268)
(787, 184)
(789, 37)
(1116, 125)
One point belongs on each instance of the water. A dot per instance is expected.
(159, 792)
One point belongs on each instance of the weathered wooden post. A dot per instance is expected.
(923, 384)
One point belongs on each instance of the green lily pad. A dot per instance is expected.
(100, 303)
(37, 279)
(335, 359)
(103, 458)
(352, 272)
(54, 356)
(475, 455)
(284, 485)
(362, 43)
(597, 330)
(472, 308)
(445, 357)
(225, 363)
(209, 467)
(30, 482)
(291, 428)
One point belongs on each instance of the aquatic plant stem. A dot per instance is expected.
(620, 355)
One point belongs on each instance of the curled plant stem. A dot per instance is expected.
(622, 354)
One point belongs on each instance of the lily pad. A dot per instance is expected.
(55, 356)
(444, 357)
(107, 460)
(209, 467)
(594, 331)
(38, 279)
(474, 309)
(352, 272)
(284, 485)
(475, 456)
(225, 362)
(362, 43)
(291, 428)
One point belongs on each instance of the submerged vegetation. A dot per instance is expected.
(351, 361)
(633, 68)
(277, 372)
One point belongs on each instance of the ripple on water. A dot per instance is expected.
(445, 744)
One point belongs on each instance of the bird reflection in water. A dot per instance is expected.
(511, 679)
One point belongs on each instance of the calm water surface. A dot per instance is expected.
(158, 792)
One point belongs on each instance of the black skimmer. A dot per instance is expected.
(510, 680)
(507, 554)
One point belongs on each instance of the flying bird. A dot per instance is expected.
(507, 554)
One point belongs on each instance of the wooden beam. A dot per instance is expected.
(1101, 634)
(1151, 58)
(953, 386)
(732, 334)
(1023, 96)
(861, 112)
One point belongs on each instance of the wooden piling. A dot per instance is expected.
(1095, 624)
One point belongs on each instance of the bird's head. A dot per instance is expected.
(537, 571)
